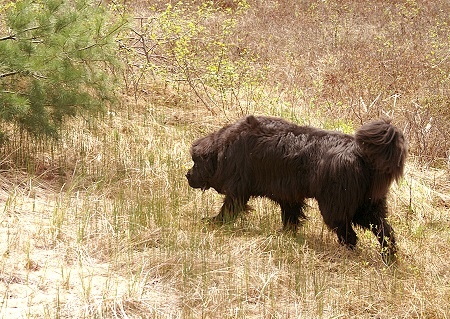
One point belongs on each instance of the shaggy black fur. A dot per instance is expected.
(348, 175)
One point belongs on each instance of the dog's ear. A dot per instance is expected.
(252, 121)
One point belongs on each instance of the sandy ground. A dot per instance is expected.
(42, 277)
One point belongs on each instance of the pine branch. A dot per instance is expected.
(98, 43)
(14, 36)
(26, 73)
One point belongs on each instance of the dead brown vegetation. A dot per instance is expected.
(104, 224)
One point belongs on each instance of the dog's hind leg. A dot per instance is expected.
(373, 217)
(339, 223)
(346, 235)
(231, 209)
(385, 235)
(291, 215)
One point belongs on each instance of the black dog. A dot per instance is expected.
(348, 175)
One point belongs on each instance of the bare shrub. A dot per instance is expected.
(356, 61)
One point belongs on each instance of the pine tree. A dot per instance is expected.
(55, 62)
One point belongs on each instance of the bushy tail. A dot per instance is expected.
(384, 148)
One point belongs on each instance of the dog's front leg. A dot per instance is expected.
(292, 215)
(230, 209)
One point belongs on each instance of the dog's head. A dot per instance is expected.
(204, 157)
(211, 154)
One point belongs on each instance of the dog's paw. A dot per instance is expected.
(214, 221)
(288, 229)
(389, 256)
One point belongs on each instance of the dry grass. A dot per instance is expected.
(123, 237)
(107, 227)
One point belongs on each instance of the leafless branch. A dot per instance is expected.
(8, 74)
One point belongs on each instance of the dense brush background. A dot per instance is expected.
(101, 223)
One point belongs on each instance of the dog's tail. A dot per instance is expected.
(383, 146)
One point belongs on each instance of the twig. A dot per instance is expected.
(9, 37)
(8, 74)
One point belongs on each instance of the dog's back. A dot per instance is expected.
(280, 153)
